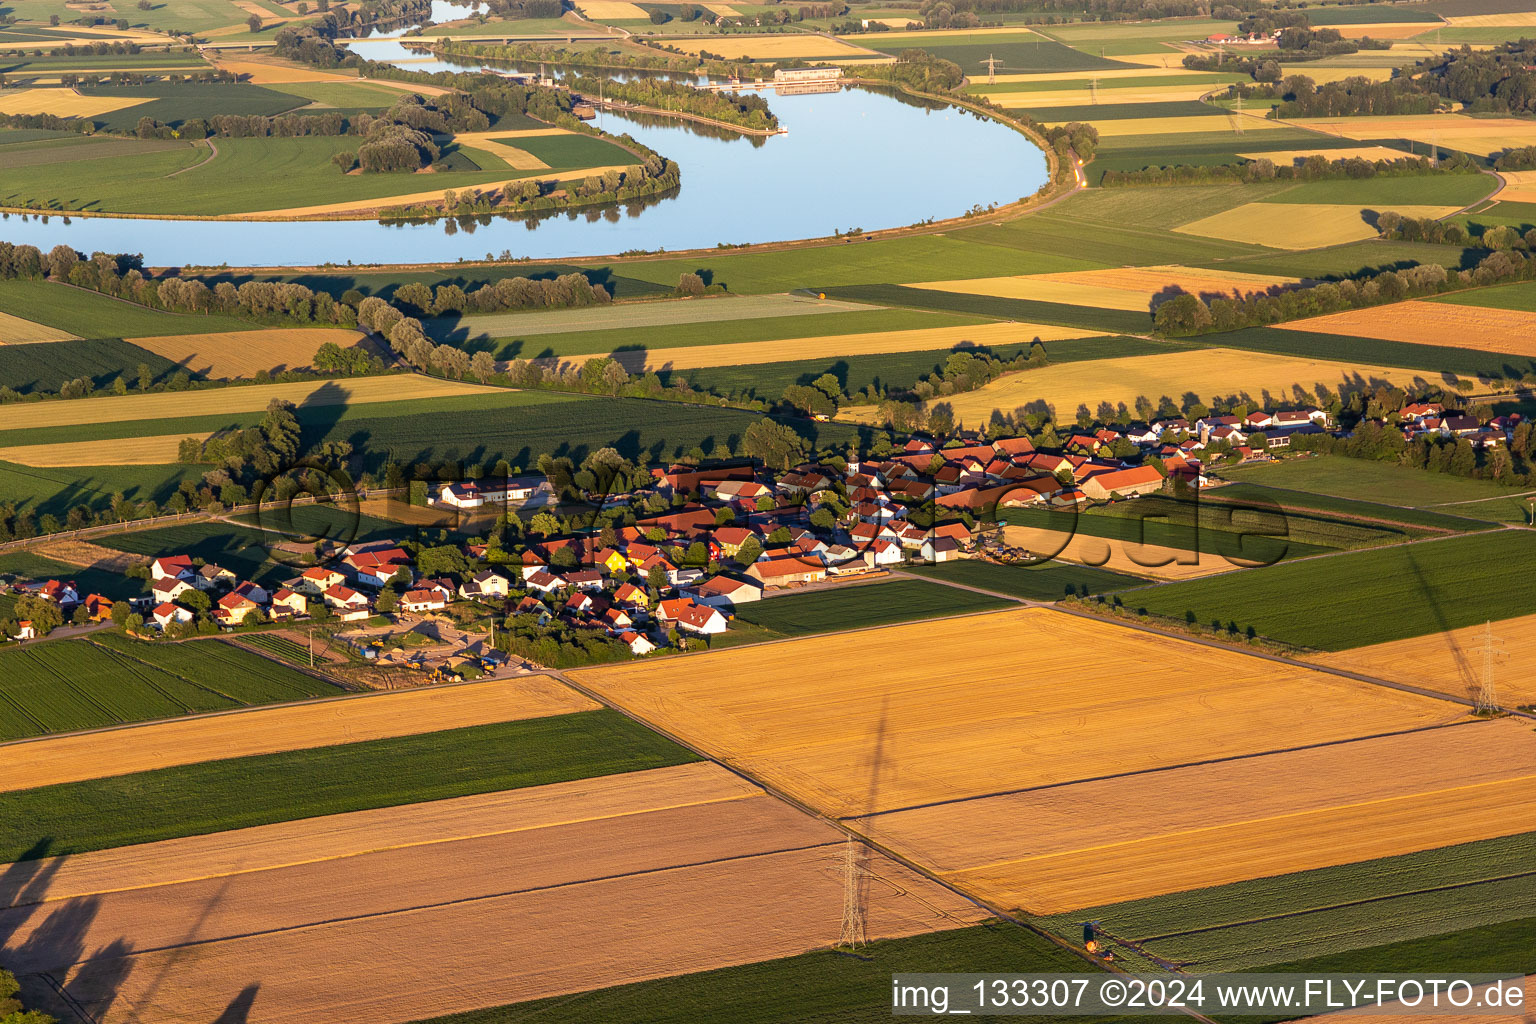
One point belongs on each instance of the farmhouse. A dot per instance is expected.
(424, 600)
(169, 588)
(724, 592)
(212, 577)
(1100, 486)
(786, 571)
(346, 602)
(375, 567)
(318, 580)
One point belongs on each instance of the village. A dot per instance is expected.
(737, 533)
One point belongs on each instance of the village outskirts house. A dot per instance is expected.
(288, 604)
(689, 617)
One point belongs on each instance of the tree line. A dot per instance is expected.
(1187, 314)
(1397, 227)
(1313, 168)
(747, 110)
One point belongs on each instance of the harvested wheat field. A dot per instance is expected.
(62, 102)
(1123, 126)
(1149, 560)
(1112, 74)
(1131, 288)
(1517, 1015)
(774, 47)
(411, 515)
(1288, 157)
(16, 331)
(1207, 373)
(1452, 662)
(267, 730)
(274, 71)
(1157, 59)
(1323, 76)
(875, 343)
(1387, 29)
(611, 10)
(1510, 331)
(155, 450)
(1519, 187)
(359, 391)
(1093, 843)
(244, 353)
(681, 870)
(1300, 225)
(1477, 135)
(926, 712)
(1509, 19)
(89, 556)
(1088, 97)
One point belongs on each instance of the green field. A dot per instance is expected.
(1369, 14)
(247, 176)
(1110, 321)
(469, 277)
(57, 490)
(571, 152)
(48, 365)
(1332, 911)
(27, 565)
(897, 370)
(1243, 539)
(1519, 296)
(1435, 359)
(175, 102)
(243, 552)
(1432, 190)
(1369, 256)
(279, 647)
(107, 679)
(1108, 110)
(875, 604)
(1016, 54)
(346, 95)
(1409, 522)
(728, 332)
(1364, 480)
(824, 987)
(1049, 582)
(219, 796)
(1336, 602)
(186, 15)
(93, 315)
(68, 148)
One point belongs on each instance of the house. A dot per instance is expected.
(724, 592)
(1140, 480)
(886, 552)
(426, 599)
(484, 585)
(940, 549)
(318, 580)
(25, 631)
(62, 594)
(168, 588)
(98, 608)
(288, 604)
(1290, 419)
(253, 592)
(581, 604)
(1260, 420)
(347, 603)
(1012, 446)
(172, 567)
(167, 613)
(232, 609)
(638, 644)
(375, 567)
(542, 582)
(211, 577)
(742, 490)
(461, 495)
(633, 597)
(585, 579)
(731, 538)
(610, 560)
(792, 570)
(533, 606)
(689, 617)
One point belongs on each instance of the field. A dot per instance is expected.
(1479, 136)
(1130, 288)
(626, 316)
(858, 607)
(62, 102)
(16, 331)
(1301, 226)
(155, 449)
(1249, 817)
(242, 792)
(1444, 362)
(1362, 909)
(1018, 52)
(92, 315)
(1509, 331)
(681, 870)
(1364, 480)
(67, 685)
(222, 401)
(292, 727)
(1518, 296)
(1453, 661)
(1388, 522)
(1336, 602)
(1236, 124)
(804, 989)
(1114, 554)
(1285, 157)
(776, 47)
(928, 340)
(243, 355)
(887, 731)
(1049, 582)
(1207, 373)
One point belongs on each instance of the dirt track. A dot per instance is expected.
(142, 748)
(621, 886)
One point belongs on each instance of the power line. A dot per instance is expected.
(1487, 689)
(991, 62)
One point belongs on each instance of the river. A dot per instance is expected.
(856, 158)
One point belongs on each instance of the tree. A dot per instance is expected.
(44, 615)
(254, 22)
(750, 551)
(544, 524)
(1182, 315)
(387, 601)
(196, 600)
(656, 578)
(774, 443)
(687, 284)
